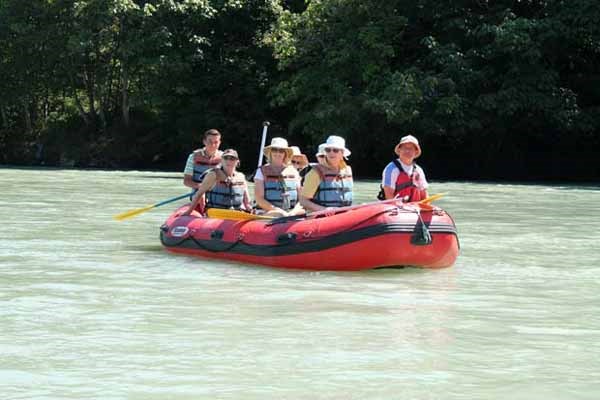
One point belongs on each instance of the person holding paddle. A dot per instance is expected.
(403, 178)
(329, 183)
(277, 183)
(224, 186)
(201, 160)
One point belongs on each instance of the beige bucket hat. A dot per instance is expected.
(297, 155)
(408, 139)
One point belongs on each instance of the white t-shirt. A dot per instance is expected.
(391, 172)
(258, 176)
(189, 165)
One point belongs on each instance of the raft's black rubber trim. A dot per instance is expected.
(301, 246)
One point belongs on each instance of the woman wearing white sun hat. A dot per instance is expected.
(329, 183)
(402, 177)
(277, 183)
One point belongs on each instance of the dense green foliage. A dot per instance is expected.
(493, 89)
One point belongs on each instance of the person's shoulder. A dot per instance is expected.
(390, 165)
(240, 175)
(290, 170)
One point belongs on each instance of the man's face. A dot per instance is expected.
(212, 143)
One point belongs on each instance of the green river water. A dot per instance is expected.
(91, 308)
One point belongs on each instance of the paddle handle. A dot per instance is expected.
(262, 142)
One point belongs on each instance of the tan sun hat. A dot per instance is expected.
(335, 142)
(320, 151)
(279, 143)
(408, 139)
(297, 154)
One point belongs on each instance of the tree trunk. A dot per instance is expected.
(27, 118)
(82, 112)
(125, 95)
(4, 116)
(91, 93)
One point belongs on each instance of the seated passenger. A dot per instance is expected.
(329, 183)
(201, 160)
(299, 160)
(224, 186)
(402, 177)
(277, 183)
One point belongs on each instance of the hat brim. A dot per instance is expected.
(288, 151)
(302, 156)
(326, 146)
(397, 148)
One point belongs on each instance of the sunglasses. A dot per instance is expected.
(330, 150)
(229, 158)
(277, 150)
(296, 162)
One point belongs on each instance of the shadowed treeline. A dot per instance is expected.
(493, 89)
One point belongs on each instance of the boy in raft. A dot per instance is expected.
(277, 183)
(201, 160)
(329, 184)
(224, 186)
(402, 177)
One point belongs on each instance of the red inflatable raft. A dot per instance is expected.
(366, 237)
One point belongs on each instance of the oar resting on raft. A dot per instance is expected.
(137, 211)
(236, 215)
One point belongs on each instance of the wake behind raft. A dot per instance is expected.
(376, 235)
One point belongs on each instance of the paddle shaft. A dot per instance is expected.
(347, 208)
(262, 142)
(183, 196)
(136, 211)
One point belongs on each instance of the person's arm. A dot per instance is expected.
(421, 181)
(208, 183)
(188, 173)
(297, 210)
(189, 182)
(311, 184)
(247, 202)
(388, 180)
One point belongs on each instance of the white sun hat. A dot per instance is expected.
(335, 142)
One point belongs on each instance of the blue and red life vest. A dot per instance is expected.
(335, 189)
(228, 191)
(281, 187)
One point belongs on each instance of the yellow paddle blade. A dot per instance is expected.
(132, 213)
(431, 198)
(234, 215)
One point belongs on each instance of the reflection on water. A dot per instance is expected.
(94, 308)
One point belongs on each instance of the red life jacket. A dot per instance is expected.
(405, 187)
